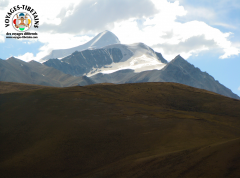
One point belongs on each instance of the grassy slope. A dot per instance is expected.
(131, 130)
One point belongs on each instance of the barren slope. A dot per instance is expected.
(8, 87)
(129, 130)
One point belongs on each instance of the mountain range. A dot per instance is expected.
(105, 60)
(15, 70)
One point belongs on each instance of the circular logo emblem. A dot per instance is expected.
(22, 21)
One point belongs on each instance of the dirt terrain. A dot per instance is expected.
(9, 87)
(127, 130)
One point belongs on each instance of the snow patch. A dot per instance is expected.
(138, 57)
(138, 64)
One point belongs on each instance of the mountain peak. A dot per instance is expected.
(104, 38)
(14, 59)
(178, 57)
(10, 58)
(106, 31)
(178, 60)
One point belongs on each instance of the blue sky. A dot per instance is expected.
(206, 33)
(13, 47)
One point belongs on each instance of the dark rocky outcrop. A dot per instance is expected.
(79, 63)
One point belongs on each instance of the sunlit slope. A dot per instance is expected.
(8, 87)
(129, 130)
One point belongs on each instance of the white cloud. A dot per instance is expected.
(198, 13)
(65, 24)
(3, 4)
(201, 13)
(26, 57)
(164, 33)
(187, 47)
(238, 88)
(98, 16)
(225, 25)
(2, 38)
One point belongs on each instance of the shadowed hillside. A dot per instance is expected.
(16, 70)
(128, 130)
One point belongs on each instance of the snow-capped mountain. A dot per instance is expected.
(138, 57)
(102, 39)
(177, 71)
(104, 59)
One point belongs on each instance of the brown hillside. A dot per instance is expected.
(8, 87)
(129, 130)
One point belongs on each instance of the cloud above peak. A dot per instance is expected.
(66, 24)
(96, 16)
(190, 45)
